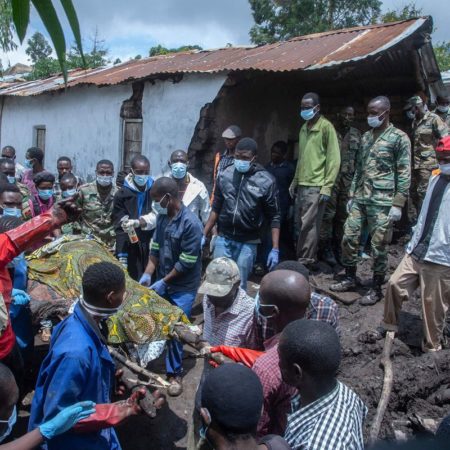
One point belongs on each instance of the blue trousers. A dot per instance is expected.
(174, 353)
(242, 253)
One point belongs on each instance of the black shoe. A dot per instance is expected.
(348, 283)
(328, 256)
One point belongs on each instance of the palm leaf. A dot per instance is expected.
(21, 17)
(74, 25)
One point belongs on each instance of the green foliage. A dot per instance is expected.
(38, 48)
(277, 20)
(7, 43)
(117, 61)
(138, 57)
(44, 68)
(409, 11)
(160, 50)
(442, 52)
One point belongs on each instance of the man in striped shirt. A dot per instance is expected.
(326, 414)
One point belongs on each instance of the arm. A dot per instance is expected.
(118, 212)
(272, 212)
(332, 162)
(403, 171)
(275, 237)
(27, 442)
(148, 221)
(211, 222)
(205, 207)
(440, 128)
(215, 209)
(358, 169)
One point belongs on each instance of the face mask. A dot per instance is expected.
(308, 114)
(11, 179)
(374, 121)
(104, 180)
(141, 180)
(11, 422)
(242, 166)
(179, 170)
(202, 432)
(411, 115)
(14, 212)
(445, 169)
(45, 194)
(96, 311)
(443, 109)
(28, 163)
(158, 208)
(272, 308)
(68, 193)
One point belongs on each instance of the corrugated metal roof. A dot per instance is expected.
(301, 53)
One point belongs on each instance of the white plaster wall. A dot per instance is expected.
(170, 113)
(83, 123)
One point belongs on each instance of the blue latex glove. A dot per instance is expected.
(146, 279)
(66, 419)
(159, 287)
(324, 198)
(273, 259)
(20, 297)
(203, 241)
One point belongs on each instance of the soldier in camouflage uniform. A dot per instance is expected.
(427, 129)
(336, 210)
(377, 195)
(96, 201)
(443, 108)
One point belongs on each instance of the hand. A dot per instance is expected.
(131, 223)
(203, 241)
(20, 297)
(204, 351)
(120, 386)
(395, 214)
(159, 287)
(66, 419)
(66, 210)
(292, 190)
(349, 205)
(146, 279)
(273, 258)
(324, 198)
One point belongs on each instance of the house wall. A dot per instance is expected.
(82, 123)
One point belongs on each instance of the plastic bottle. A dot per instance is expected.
(130, 231)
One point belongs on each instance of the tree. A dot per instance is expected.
(160, 50)
(38, 47)
(117, 61)
(409, 11)
(95, 58)
(277, 20)
(138, 57)
(6, 27)
(442, 52)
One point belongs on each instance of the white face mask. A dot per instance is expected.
(11, 422)
(443, 108)
(445, 168)
(96, 311)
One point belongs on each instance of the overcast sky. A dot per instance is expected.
(131, 27)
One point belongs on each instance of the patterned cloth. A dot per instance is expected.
(144, 316)
(334, 421)
(232, 326)
(324, 309)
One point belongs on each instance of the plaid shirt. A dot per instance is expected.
(224, 162)
(233, 326)
(334, 421)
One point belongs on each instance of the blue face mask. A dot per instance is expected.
(45, 194)
(68, 193)
(308, 114)
(141, 180)
(179, 170)
(158, 208)
(28, 163)
(11, 179)
(11, 422)
(14, 212)
(242, 166)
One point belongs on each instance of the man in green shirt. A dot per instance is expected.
(317, 168)
(443, 108)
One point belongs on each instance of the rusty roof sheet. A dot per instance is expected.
(301, 53)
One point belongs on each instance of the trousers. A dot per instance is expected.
(419, 186)
(434, 283)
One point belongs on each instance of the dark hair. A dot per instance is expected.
(247, 144)
(67, 177)
(35, 153)
(293, 265)
(105, 162)
(42, 177)
(4, 161)
(9, 223)
(383, 100)
(282, 146)
(9, 187)
(166, 185)
(99, 279)
(64, 158)
(313, 345)
(9, 147)
(6, 379)
(313, 96)
(139, 159)
(443, 98)
(176, 152)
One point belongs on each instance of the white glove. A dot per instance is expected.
(292, 189)
(349, 205)
(395, 214)
(131, 223)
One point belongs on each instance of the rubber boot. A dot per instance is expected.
(375, 294)
(348, 283)
(327, 255)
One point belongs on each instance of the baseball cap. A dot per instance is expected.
(413, 101)
(443, 145)
(221, 275)
(232, 132)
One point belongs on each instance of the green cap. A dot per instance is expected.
(221, 275)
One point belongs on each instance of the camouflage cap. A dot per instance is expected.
(221, 275)
(413, 101)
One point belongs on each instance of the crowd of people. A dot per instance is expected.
(278, 389)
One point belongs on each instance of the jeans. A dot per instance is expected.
(242, 253)
(174, 354)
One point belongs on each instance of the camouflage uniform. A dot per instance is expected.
(426, 133)
(96, 215)
(26, 196)
(445, 117)
(336, 209)
(382, 179)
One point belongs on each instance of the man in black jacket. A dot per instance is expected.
(133, 200)
(245, 197)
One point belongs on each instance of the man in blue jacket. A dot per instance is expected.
(175, 255)
(78, 366)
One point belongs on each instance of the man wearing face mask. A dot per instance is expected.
(335, 214)
(176, 258)
(443, 108)
(10, 200)
(133, 201)
(44, 198)
(245, 197)
(9, 152)
(427, 129)
(34, 160)
(317, 169)
(426, 263)
(378, 193)
(63, 166)
(96, 202)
